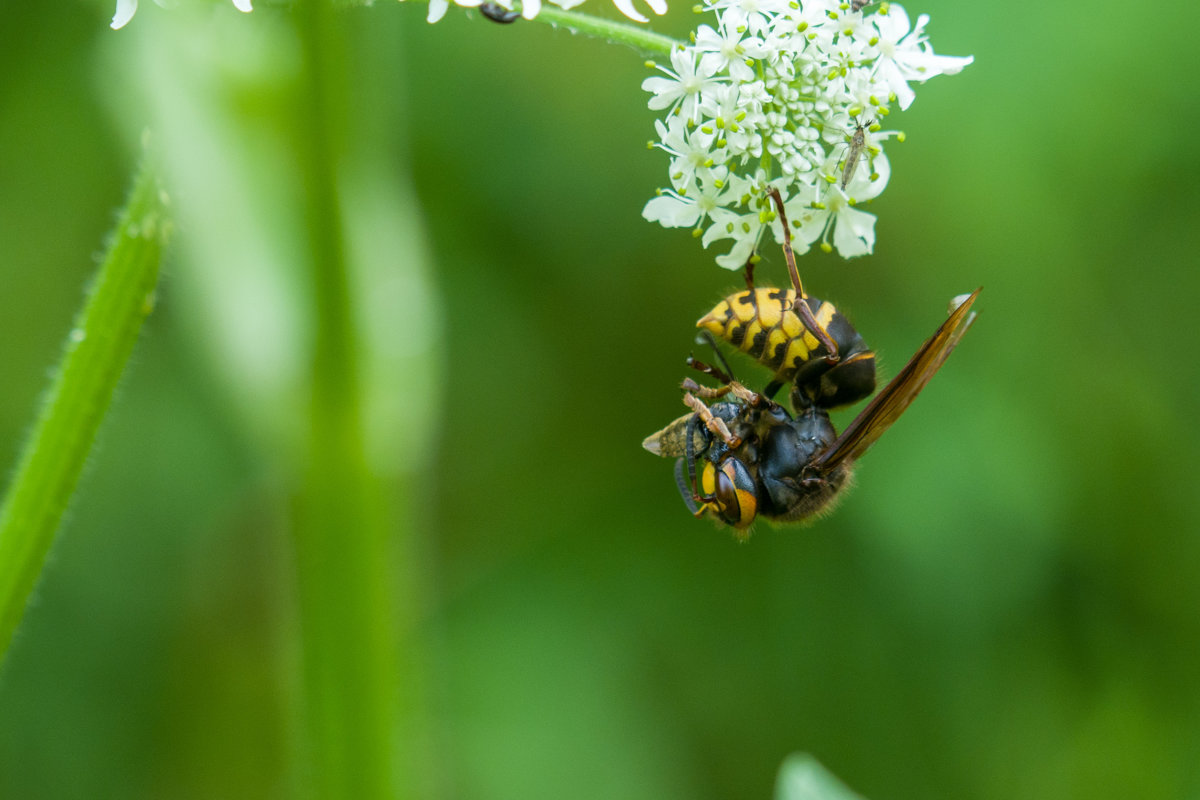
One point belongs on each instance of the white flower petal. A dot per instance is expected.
(626, 8)
(671, 212)
(737, 257)
(125, 11)
(854, 232)
(437, 10)
(530, 8)
(242, 5)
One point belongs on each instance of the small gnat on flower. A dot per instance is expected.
(789, 94)
(858, 143)
(530, 8)
(127, 8)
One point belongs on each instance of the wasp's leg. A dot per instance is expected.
(799, 305)
(739, 391)
(715, 424)
(707, 392)
(846, 382)
(711, 371)
(750, 398)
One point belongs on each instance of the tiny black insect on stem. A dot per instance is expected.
(498, 13)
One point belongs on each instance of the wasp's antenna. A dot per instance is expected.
(708, 337)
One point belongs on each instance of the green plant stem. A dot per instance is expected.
(607, 29)
(344, 556)
(615, 32)
(95, 354)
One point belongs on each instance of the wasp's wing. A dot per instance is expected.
(887, 406)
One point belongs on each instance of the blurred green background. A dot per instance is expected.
(1007, 605)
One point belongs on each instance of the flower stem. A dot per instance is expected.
(344, 555)
(94, 356)
(615, 32)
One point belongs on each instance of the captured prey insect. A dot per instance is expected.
(745, 456)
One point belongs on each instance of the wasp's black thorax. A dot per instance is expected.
(792, 487)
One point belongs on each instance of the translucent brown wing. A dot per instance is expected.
(887, 406)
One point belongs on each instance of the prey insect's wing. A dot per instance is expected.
(671, 440)
(887, 406)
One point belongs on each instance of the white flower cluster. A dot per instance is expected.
(789, 94)
(127, 8)
(530, 8)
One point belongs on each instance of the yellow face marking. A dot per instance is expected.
(708, 479)
(809, 340)
(747, 508)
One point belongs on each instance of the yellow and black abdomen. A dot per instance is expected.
(762, 323)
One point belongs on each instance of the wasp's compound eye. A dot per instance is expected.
(737, 502)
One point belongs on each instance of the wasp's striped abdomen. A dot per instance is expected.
(762, 323)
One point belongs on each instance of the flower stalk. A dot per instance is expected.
(344, 550)
(94, 358)
(610, 30)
